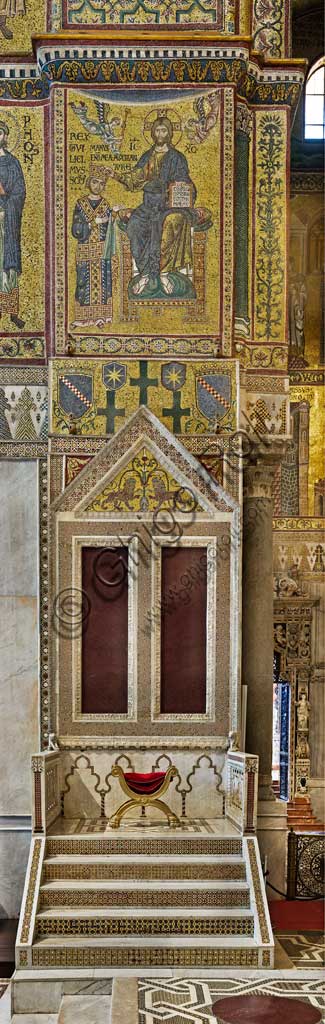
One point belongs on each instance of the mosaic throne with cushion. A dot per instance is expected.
(190, 291)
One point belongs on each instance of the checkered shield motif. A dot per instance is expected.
(76, 393)
(213, 392)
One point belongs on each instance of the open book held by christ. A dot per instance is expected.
(181, 194)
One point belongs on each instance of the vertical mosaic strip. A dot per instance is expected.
(270, 27)
(43, 602)
(25, 929)
(265, 936)
(228, 214)
(59, 219)
(270, 226)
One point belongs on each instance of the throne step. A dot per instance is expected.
(187, 952)
(132, 846)
(164, 922)
(139, 868)
(147, 894)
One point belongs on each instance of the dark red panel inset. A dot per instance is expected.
(183, 630)
(105, 631)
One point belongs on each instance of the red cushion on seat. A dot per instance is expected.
(144, 783)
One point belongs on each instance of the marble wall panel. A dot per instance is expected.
(18, 700)
(18, 528)
(19, 633)
(14, 850)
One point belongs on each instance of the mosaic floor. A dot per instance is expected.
(183, 1001)
(89, 826)
(304, 950)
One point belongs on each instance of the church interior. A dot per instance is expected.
(162, 837)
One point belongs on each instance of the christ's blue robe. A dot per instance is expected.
(145, 225)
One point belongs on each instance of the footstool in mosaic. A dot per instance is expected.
(264, 1010)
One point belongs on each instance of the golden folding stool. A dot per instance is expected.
(144, 790)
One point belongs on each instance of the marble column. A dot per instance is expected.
(258, 617)
(258, 661)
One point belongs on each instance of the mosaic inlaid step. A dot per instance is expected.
(186, 953)
(118, 923)
(159, 846)
(144, 901)
(146, 894)
(83, 869)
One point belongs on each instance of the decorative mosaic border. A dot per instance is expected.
(307, 181)
(32, 873)
(222, 18)
(22, 449)
(44, 692)
(271, 27)
(259, 899)
(22, 348)
(17, 375)
(142, 872)
(228, 219)
(145, 926)
(269, 216)
(152, 957)
(169, 846)
(143, 899)
(293, 524)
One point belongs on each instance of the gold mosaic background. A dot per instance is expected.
(203, 159)
(26, 142)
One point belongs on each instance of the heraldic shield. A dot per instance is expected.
(76, 393)
(213, 393)
(114, 376)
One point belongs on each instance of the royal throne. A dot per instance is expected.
(144, 790)
(195, 300)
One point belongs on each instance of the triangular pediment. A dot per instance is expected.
(141, 469)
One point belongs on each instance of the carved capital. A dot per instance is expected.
(244, 119)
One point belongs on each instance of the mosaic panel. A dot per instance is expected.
(142, 224)
(18, 19)
(218, 13)
(143, 485)
(23, 134)
(96, 397)
(23, 405)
